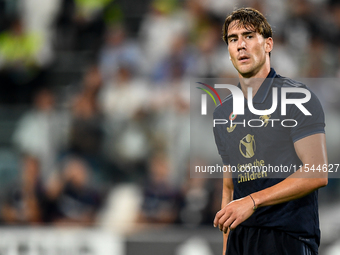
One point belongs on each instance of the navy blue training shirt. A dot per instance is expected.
(242, 146)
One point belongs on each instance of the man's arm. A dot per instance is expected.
(311, 150)
(227, 197)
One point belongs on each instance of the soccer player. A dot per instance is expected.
(263, 212)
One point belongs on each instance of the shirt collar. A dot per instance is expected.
(264, 89)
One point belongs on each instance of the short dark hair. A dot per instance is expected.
(248, 18)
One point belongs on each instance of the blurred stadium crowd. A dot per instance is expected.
(94, 102)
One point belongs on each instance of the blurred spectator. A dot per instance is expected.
(123, 95)
(124, 102)
(23, 58)
(81, 23)
(220, 7)
(161, 199)
(117, 51)
(64, 25)
(42, 131)
(159, 26)
(212, 55)
(176, 65)
(73, 199)
(197, 18)
(21, 49)
(24, 200)
(86, 131)
(171, 127)
(39, 20)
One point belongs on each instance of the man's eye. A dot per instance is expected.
(249, 36)
(233, 40)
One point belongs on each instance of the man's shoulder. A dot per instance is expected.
(285, 82)
(281, 81)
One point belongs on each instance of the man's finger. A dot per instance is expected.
(216, 220)
(224, 218)
(226, 225)
(218, 215)
(235, 224)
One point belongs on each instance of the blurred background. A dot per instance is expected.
(94, 119)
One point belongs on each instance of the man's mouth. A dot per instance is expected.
(243, 58)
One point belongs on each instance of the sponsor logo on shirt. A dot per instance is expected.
(247, 146)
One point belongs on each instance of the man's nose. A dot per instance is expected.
(241, 44)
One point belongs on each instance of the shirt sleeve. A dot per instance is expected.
(307, 124)
(221, 140)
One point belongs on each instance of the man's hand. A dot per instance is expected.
(234, 213)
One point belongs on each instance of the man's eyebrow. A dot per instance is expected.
(231, 35)
(248, 32)
(244, 33)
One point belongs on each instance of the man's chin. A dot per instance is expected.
(245, 72)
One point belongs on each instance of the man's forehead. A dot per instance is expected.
(237, 26)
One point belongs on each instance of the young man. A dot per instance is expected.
(268, 213)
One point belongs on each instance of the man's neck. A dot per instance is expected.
(254, 82)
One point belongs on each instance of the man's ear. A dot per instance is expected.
(269, 44)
